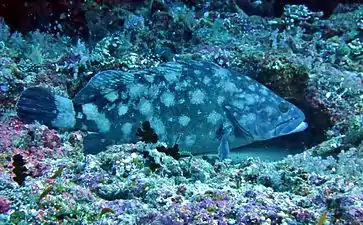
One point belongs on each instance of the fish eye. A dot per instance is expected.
(283, 107)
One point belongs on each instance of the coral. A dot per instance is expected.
(171, 151)
(312, 60)
(299, 15)
(9, 130)
(336, 102)
(287, 79)
(4, 204)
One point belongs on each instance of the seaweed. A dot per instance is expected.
(19, 169)
(170, 151)
(57, 173)
(146, 133)
(150, 161)
(46, 191)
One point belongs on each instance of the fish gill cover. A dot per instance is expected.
(78, 80)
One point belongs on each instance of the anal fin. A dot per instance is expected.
(94, 143)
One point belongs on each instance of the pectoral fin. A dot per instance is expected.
(223, 149)
(223, 133)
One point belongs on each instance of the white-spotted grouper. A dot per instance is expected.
(200, 105)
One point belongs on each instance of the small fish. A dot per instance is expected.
(46, 191)
(323, 218)
(57, 173)
(199, 104)
(106, 210)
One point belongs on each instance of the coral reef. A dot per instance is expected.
(312, 58)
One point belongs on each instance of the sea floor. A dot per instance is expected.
(267, 154)
(316, 62)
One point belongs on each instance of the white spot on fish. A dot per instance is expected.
(126, 129)
(190, 140)
(251, 117)
(206, 80)
(197, 72)
(157, 125)
(239, 104)
(122, 109)
(221, 73)
(240, 95)
(220, 100)
(251, 87)
(251, 99)
(149, 77)
(214, 117)
(182, 85)
(168, 99)
(145, 107)
(171, 76)
(91, 112)
(197, 97)
(136, 90)
(269, 110)
(184, 120)
(230, 87)
(154, 91)
(112, 96)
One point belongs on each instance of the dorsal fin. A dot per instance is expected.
(103, 83)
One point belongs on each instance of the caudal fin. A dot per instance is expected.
(39, 104)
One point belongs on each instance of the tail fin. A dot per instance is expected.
(39, 104)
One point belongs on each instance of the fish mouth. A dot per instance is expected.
(291, 126)
(301, 127)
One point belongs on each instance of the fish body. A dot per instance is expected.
(191, 103)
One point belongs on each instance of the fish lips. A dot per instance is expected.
(291, 126)
(301, 127)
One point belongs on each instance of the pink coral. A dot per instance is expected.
(4, 205)
(8, 130)
(51, 139)
(32, 141)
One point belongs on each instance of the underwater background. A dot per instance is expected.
(308, 52)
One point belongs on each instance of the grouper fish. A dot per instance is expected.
(198, 105)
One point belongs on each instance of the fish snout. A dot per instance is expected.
(291, 126)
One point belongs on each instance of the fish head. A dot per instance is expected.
(268, 117)
(288, 120)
